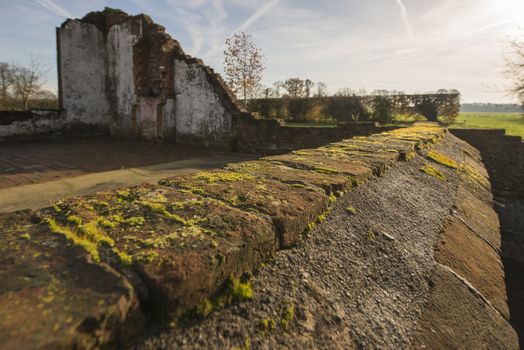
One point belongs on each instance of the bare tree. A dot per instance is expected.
(321, 89)
(345, 92)
(515, 68)
(294, 87)
(27, 81)
(308, 86)
(256, 92)
(277, 86)
(243, 64)
(5, 80)
(268, 92)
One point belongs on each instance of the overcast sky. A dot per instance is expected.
(408, 45)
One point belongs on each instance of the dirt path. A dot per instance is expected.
(39, 161)
(359, 281)
(37, 196)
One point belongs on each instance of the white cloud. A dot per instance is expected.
(54, 8)
(405, 18)
(259, 13)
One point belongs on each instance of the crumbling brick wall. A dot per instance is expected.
(125, 74)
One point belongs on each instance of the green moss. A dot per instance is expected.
(103, 222)
(234, 290)
(204, 308)
(356, 182)
(214, 177)
(125, 258)
(26, 236)
(91, 231)
(332, 198)
(234, 200)
(245, 346)
(87, 236)
(351, 210)
(266, 326)
(57, 208)
(371, 235)
(125, 195)
(157, 241)
(432, 171)
(146, 256)
(310, 227)
(249, 165)
(287, 316)
(303, 186)
(322, 170)
(442, 159)
(100, 205)
(188, 204)
(241, 290)
(160, 208)
(87, 245)
(134, 221)
(119, 219)
(302, 153)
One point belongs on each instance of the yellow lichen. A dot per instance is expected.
(351, 210)
(442, 159)
(432, 171)
(288, 316)
(26, 236)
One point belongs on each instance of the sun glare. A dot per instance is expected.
(514, 9)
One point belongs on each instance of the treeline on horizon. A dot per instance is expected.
(380, 106)
(491, 108)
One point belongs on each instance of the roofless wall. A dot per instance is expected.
(123, 74)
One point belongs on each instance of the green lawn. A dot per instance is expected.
(512, 122)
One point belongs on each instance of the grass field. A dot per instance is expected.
(513, 123)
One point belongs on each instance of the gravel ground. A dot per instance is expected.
(359, 281)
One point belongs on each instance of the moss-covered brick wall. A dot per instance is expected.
(188, 245)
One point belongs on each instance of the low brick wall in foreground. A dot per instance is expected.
(90, 271)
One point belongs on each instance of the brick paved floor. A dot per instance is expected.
(43, 161)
